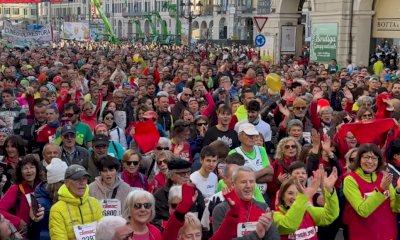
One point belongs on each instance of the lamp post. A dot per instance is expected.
(191, 16)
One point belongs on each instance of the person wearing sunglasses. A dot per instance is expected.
(287, 152)
(160, 179)
(115, 149)
(117, 134)
(365, 114)
(182, 104)
(180, 140)
(178, 174)
(130, 173)
(99, 150)
(84, 135)
(139, 211)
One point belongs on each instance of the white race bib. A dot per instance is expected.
(85, 231)
(244, 229)
(304, 234)
(111, 207)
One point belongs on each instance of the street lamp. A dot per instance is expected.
(191, 16)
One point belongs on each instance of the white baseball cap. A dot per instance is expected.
(248, 128)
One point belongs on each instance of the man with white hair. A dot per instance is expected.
(113, 228)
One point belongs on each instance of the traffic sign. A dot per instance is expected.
(260, 40)
(260, 22)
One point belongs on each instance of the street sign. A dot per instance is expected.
(260, 22)
(260, 40)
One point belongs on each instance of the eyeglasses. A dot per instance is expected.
(187, 94)
(161, 162)
(139, 205)
(68, 115)
(69, 136)
(101, 146)
(201, 124)
(300, 108)
(87, 109)
(197, 90)
(290, 146)
(173, 205)
(129, 163)
(109, 118)
(182, 174)
(367, 115)
(161, 148)
(183, 125)
(372, 158)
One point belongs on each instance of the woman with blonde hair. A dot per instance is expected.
(130, 174)
(287, 152)
(139, 211)
(160, 178)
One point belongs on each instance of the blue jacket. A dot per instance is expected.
(43, 198)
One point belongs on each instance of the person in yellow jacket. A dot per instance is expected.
(296, 218)
(75, 214)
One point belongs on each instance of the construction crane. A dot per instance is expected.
(111, 35)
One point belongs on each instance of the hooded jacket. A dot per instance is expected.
(83, 210)
(99, 191)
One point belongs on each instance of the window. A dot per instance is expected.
(6, 11)
(33, 12)
(25, 11)
(15, 11)
(79, 10)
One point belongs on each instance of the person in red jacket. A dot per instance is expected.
(15, 205)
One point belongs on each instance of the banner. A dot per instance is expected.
(18, 37)
(76, 31)
(323, 42)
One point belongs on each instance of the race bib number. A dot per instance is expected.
(304, 234)
(244, 229)
(85, 231)
(111, 207)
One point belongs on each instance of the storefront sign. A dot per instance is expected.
(323, 42)
(386, 21)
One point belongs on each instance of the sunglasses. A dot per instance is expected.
(129, 163)
(290, 146)
(367, 115)
(300, 108)
(161, 148)
(183, 125)
(197, 90)
(101, 146)
(109, 118)
(69, 136)
(87, 109)
(187, 94)
(139, 205)
(201, 124)
(161, 162)
(68, 115)
(182, 174)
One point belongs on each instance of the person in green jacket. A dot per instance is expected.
(296, 217)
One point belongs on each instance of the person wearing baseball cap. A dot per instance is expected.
(71, 153)
(255, 156)
(75, 209)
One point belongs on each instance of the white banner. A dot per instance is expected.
(76, 31)
(22, 38)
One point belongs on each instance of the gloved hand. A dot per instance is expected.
(189, 197)
(233, 201)
(213, 203)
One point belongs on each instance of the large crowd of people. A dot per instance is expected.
(148, 142)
